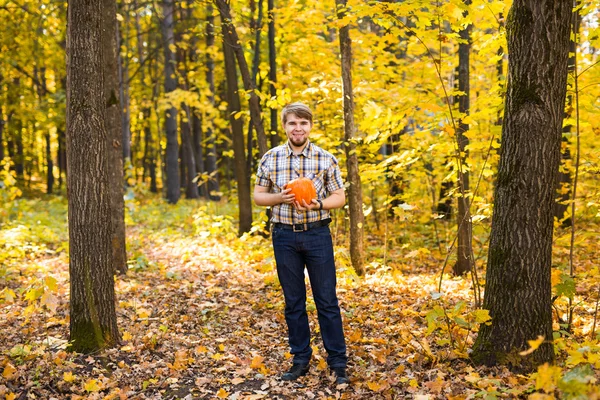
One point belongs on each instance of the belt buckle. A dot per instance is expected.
(302, 229)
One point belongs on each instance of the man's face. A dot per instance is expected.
(297, 130)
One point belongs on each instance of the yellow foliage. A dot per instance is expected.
(547, 378)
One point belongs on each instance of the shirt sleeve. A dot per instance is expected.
(333, 176)
(263, 177)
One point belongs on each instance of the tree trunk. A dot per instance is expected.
(564, 177)
(149, 153)
(518, 289)
(357, 217)
(191, 187)
(2, 122)
(93, 320)
(464, 244)
(115, 138)
(172, 150)
(15, 141)
(275, 139)
(123, 69)
(187, 144)
(49, 165)
(237, 132)
(211, 146)
(42, 91)
(62, 141)
(230, 37)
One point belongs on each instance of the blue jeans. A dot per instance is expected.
(313, 249)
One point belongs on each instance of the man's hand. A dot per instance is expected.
(314, 205)
(287, 197)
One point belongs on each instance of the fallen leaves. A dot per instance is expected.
(205, 319)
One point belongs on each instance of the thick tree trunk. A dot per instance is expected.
(172, 150)
(211, 146)
(237, 132)
(230, 37)
(115, 138)
(464, 244)
(518, 289)
(93, 321)
(357, 217)
(275, 139)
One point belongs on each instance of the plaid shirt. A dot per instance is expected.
(279, 166)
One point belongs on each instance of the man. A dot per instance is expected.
(301, 238)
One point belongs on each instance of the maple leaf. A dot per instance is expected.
(9, 295)
(222, 394)
(533, 345)
(10, 372)
(91, 386)
(68, 377)
(322, 365)
(50, 301)
(257, 362)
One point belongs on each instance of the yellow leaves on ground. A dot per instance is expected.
(257, 362)
(10, 372)
(222, 394)
(322, 365)
(9, 295)
(68, 377)
(547, 378)
(92, 386)
(182, 360)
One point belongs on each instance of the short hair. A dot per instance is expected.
(300, 110)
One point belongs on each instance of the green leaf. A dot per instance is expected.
(566, 287)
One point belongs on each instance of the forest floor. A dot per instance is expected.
(201, 316)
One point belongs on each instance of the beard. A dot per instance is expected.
(298, 142)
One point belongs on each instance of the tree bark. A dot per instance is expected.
(564, 178)
(464, 249)
(357, 217)
(113, 123)
(93, 321)
(42, 91)
(172, 150)
(518, 288)
(237, 132)
(230, 37)
(2, 122)
(211, 153)
(148, 162)
(123, 75)
(187, 129)
(275, 139)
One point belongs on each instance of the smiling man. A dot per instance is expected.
(301, 238)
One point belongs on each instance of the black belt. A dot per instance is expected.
(303, 227)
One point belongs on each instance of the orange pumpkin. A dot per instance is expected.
(303, 188)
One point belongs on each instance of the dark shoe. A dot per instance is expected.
(295, 372)
(340, 376)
